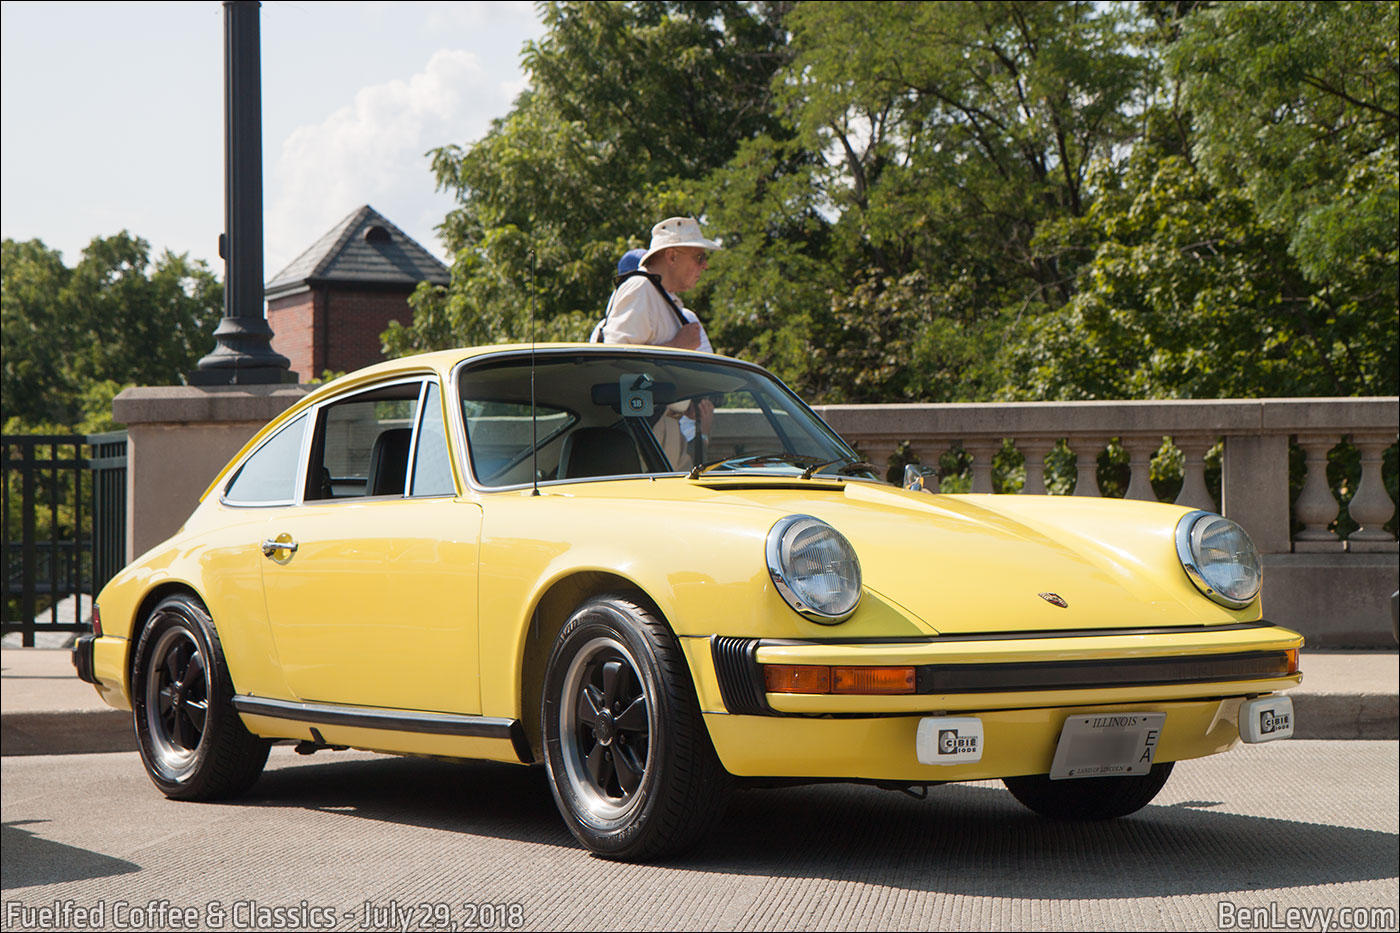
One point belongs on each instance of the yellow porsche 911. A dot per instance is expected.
(660, 574)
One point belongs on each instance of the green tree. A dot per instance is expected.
(1298, 105)
(935, 139)
(957, 201)
(1188, 295)
(1250, 248)
(627, 101)
(74, 337)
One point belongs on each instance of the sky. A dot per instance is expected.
(112, 116)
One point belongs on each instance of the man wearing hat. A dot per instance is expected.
(647, 308)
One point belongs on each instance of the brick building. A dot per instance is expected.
(328, 308)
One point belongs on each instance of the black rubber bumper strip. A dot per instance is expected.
(365, 717)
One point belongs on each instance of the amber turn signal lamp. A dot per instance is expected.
(797, 678)
(819, 678)
(872, 680)
(1292, 660)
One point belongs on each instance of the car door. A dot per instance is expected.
(371, 578)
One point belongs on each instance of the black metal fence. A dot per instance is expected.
(64, 527)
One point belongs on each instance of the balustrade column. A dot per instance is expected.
(982, 452)
(1316, 506)
(1086, 460)
(1194, 493)
(1140, 451)
(1371, 507)
(1035, 449)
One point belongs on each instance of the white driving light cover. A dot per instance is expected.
(1219, 558)
(944, 740)
(1266, 719)
(815, 568)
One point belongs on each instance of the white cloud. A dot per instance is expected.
(373, 151)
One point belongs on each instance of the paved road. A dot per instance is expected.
(1303, 824)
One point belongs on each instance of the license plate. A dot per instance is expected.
(1107, 745)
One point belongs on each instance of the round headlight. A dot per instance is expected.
(1219, 558)
(815, 568)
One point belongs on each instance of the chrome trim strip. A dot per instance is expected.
(1030, 635)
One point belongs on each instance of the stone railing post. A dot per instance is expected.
(1316, 506)
(1035, 450)
(1086, 464)
(1140, 451)
(981, 450)
(1371, 507)
(1193, 479)
(1254, 489)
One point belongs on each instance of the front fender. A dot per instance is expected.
(703, 567)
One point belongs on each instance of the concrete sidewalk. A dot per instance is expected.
(47, 710)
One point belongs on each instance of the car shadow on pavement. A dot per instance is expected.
(466, 796)
(27, 859)
(963, 839)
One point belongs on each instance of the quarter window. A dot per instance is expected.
(269, 476)
(432, 470)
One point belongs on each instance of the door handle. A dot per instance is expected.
(273, 545)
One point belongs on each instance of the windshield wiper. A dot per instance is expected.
(848, 464)
(759, 460)
(808, 465)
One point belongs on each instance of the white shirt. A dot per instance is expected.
(638, 314)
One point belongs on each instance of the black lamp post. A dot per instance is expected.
(243, 353)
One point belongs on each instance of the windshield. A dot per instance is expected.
(623, 414)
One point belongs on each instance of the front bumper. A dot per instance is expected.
(1021, 688)
(884, 748)
(1008, 672)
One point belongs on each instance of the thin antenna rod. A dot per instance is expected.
(534, 418)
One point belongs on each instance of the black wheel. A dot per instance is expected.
(192, 742)
(630, 761)
(1089, 798)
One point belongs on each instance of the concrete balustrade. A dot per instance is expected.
(1336, 592)
(1255, 432)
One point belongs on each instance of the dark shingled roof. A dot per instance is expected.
(364, 249)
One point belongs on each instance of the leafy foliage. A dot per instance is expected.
(74, 337)
(629, 100)
(957, 201)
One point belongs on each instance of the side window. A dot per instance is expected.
(269, 476)
(500, 436)
(362, 444)
(432, 470)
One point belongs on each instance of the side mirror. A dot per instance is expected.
(919, 477)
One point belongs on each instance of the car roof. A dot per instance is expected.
(442, 361)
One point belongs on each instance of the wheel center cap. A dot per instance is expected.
(606, 730)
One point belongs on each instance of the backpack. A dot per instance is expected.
(655, 280)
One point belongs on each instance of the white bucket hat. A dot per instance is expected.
(677, 231)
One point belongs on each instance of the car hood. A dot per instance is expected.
(965, 564)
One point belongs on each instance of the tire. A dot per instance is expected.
(192, 742)
(1102, 798)
(630, 762)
